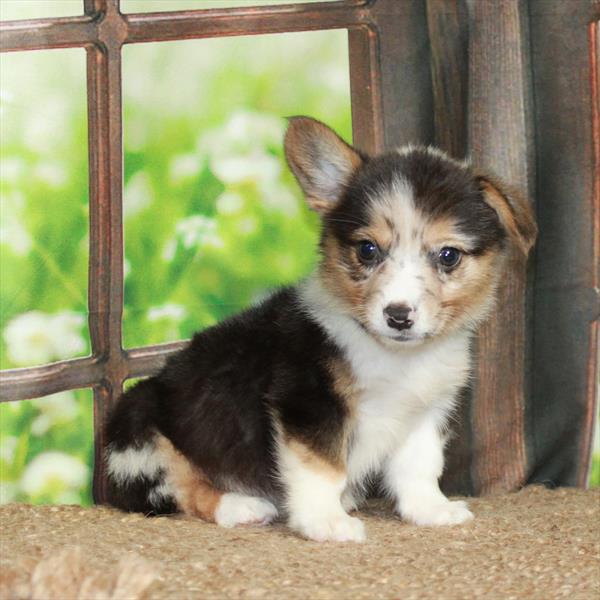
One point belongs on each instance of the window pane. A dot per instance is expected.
(38, 9)
(213, 218)
(43, 207)
(134, 6)
(46, 449)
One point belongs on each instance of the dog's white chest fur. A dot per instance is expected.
(397, 390)
(397, 387)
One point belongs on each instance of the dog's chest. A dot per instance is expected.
(394, 392)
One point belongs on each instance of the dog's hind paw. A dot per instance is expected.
(238, 509)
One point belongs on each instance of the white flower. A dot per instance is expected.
(12, 169)
(35, 337)
(198, 230)
(51, 470)
(54, 409)
(238, 151)
(229, 202)
(335, 78)
(8, 491)
(12, 230)
(126, 268)
(40, 128)
(14, 234)
(250, 126)
(137, 131)
(278, 198)
(244, 131)
(6, 97)
(247, 225)
(8, 447)
(137, 194)
(40, 425)
(173, 312)
(168, 253)
(193, 232)
(255, 166)
(193, 229)
(53, 174)
(183, 167)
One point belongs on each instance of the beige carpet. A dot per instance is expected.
(533, 544)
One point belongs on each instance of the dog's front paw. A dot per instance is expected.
(436, 512)
(338, 528)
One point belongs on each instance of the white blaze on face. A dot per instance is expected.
(407, 275)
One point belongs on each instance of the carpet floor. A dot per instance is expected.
(536, 543)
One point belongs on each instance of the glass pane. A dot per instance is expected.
(43, 207)
(213, 218)
(47, 449)
(135, 6)
(38, 9)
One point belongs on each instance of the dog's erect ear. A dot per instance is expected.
(321, 161)
(514, 212)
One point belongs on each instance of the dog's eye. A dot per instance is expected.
(449, 257)
(368, 251)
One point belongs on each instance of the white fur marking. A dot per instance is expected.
(237, 509)
(131, 463)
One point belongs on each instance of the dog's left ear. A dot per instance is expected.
(321, 161)
(514, 212)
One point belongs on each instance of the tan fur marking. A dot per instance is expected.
(380, 230)
(315, 462)
(345, 385)
(193, 492)
(344, 382)
(515, 215)
(443, 232)
(473, 287)
(336, 275)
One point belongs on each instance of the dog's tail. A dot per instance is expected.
(136, 469)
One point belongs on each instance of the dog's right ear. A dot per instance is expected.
(321, 161)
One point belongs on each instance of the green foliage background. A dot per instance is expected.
(213, 219)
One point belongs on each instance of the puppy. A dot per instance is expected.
(290, 407)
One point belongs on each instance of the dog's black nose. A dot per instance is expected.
(397, 316)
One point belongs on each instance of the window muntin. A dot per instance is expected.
(135, 6)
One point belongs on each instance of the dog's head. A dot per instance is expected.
(413, 242)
